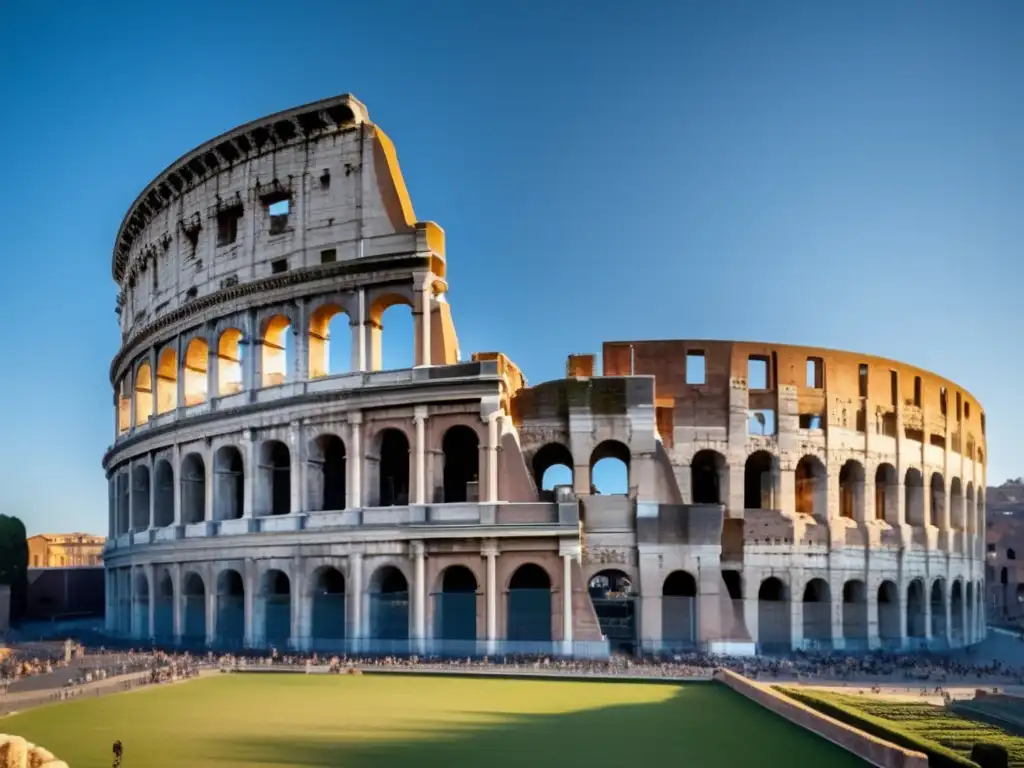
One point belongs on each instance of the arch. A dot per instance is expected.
(956, 505)
(230, 608)
(330, 348)
(389, 604)
(678, 611)
(971, 510)
(274, 479)
(194, 619)
(529, 608)
(855, 615)
(393, 468)
(938, 611)
(229, 484)
(851, 490)
(773, 616)
(124, 405)
(275, 360)
(196, 366)
(163, 610)
(276, 598)
(230, 379)
(956, 613)
(193, 489)
(328, 607)
(163, 488)
(394, 312)
(609, 468)
(889, 615)
(143, 394)
(552, 465)
(811, 486)
(455, 608)
(887, 493)
(140, 605)
(759, 481)
(167, 380)
(913, 488)
(326, 473)
(915, 609)
(461, 448)
(708, 476)
(140, 497)
(817, 610)
(614, 599)
(937, 489)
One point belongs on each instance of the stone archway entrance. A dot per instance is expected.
(614, 600)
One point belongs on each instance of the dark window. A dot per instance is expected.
(278, 266)
(278, 211)
(862, 377)
(227, 225)
(328, 256)
(894, 387)
(815, 373)
(917, 391)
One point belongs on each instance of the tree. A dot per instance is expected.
(14, 563)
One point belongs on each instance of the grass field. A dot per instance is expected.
(231, 721)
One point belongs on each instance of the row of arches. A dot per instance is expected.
(155, 389)
(553, 463)
(388, 470)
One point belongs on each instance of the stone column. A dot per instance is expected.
(248, 474)
(358, 325)
(208, 485)
(419, 599)
(131, 501)
(298, 603)
(355, 574)
(153, 377)
(151, 586)
(152, 493)
(355, 461)
(490, 551)
(176, 484)
(567, 635)
(423, 289)
(210, 606)
(108, 601)
(295, 453)
(420, 420)
(212, 370)
(493, 438)
(249, 579)
(176, 600)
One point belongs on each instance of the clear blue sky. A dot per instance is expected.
(837, 174)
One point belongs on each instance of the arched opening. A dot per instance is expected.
(455, 610)
(230, 609)
(915, 609)
(194, 592)
(197, 360)
(851, 490)
(326, 471)
(393, 484)
(140, 498)
(889, 615)
(913, 487)
(817, 611)
(330, 341)
(124, 405)
(609, 468)
(529, 609)
(886, 494)
(678, 611)
(614, 601)
(163, 504)
(956, 613)
(938, 498)
(229, 488)
(394, 348)
(193, 489)
(938, 606)
(275, 474)
(811, 487)
(708, 476)
(461, 447)
(167, 381)
(956, 505)
(328, 622)
(140, 606)
(163, 613)
(229, 363)
(552, 466)
(758, 481)
(143, 394)
(276, 358)
(275, 594)
(971, 510)
(773, 616)
(389, 605)
(855, 615)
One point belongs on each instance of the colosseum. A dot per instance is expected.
(265, 493)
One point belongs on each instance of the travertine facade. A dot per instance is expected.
(60, 550)
(259, 497)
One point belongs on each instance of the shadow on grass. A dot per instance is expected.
(721, 730)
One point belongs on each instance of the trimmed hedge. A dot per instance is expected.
(840, 708)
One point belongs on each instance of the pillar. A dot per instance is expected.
(249, 579)
(248, 473)
(419, 600)
(132, 629)
(297, 588)
(176, 462)
(295, 457)
(355, 573)
(152, 493)
(176, 600)
(490, 553)
(493, 438)
(420, 420)
(567, 639)
(355, 461)
(358, 326)
(423, 288)
(210, 601)
(151, 586)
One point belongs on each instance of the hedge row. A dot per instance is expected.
(939, 756)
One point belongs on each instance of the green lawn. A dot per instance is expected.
(377, 721)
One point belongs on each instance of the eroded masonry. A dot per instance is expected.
(261, 494)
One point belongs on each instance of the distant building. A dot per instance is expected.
(1004, 544)
(1006, 500)
(62, 550)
